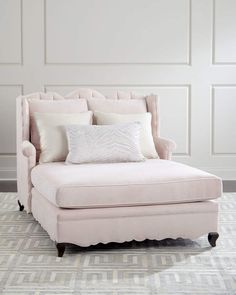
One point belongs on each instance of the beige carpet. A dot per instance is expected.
(29, 265)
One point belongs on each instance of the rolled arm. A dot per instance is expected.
(29, 151)
(26, 160)
(164, 147)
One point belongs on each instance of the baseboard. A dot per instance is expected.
(224, 173)
(7, 173)
(10, 186)
(229, 186)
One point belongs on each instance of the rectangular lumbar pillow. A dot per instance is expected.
(104, 144)
(146, 139)
(53, 139)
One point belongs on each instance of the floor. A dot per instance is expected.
(28, 262)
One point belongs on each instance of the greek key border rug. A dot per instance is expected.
(29, 262)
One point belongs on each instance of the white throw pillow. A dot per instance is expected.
(104, 144)
(146, 140)
(53, 140)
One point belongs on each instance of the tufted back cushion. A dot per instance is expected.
(146, 103)
(89, 93)
(122, 106)
(23, 109)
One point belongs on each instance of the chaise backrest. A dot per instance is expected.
(23, 111)
(26, 163)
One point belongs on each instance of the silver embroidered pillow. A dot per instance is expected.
(104, 144)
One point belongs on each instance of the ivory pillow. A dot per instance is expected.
(128, 106)
(104, 144)
(65, 106)
(53, 140)
(146, 140)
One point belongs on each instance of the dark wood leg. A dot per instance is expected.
(212, 237)
(21, 207)
(60, 249)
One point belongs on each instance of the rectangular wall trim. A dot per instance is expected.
(168, 63)
(21, 40)
(213, 128)
(214, 60)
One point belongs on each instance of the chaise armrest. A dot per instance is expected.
(28, 150)
(26, 160)
(165, 147)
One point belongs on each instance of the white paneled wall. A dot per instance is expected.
(183, 50)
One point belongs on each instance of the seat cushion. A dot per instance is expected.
(151, 182)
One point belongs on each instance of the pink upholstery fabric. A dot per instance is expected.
(164, 147)
(123, 184)
(49, 106)
(25, 164)
(84, 93)
(58, 106)
(87, 227)
(153, 108)
(122, 106)
(153, 184)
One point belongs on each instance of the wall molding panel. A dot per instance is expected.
(10, 19)
(226, 7)
(188, 28)
(223, 122)
(184, 51)
(8, 93)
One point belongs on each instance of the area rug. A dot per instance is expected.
(29, 262)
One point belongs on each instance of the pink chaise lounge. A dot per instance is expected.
(100, 203)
